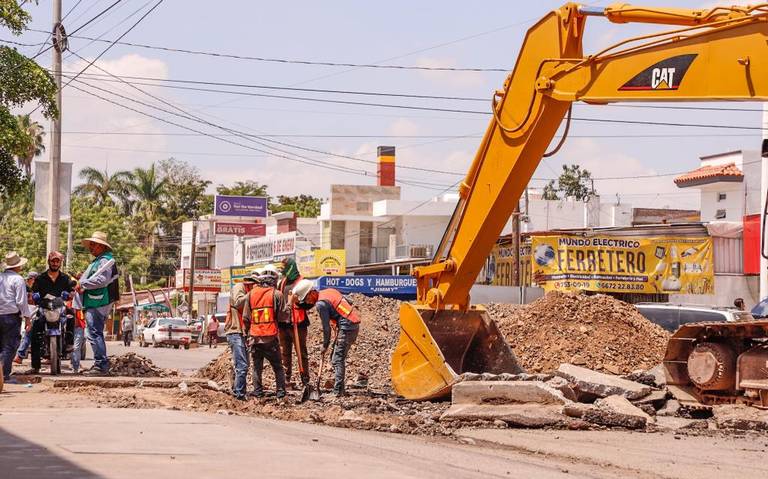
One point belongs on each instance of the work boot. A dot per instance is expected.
(17, 359)
(96, 372)
(280, 394)
(257, 394)
(31, 371)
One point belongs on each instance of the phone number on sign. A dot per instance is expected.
(619, 286)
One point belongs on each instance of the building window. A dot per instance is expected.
(720, 215)
(721, 196)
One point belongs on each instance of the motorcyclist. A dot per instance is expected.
(54, 282)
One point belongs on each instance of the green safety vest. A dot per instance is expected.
(95, 298)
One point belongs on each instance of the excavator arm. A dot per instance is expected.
(716, 54)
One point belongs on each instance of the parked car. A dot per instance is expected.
(761, 309)
(166, 331)
(672, 316)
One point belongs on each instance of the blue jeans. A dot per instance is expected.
(77, 346)
(25, 342)
(10, 335)
(240, 358)
(344, 341)
(94, 323)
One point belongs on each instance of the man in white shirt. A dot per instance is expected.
(13, 307)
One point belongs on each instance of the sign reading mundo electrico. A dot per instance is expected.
(623, 264)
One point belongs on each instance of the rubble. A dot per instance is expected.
(617, 411)
(135, 365)
(595, 331)
(741, 417)
(586, 382)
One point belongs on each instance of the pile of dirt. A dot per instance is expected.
(595, 331)
(135, 365)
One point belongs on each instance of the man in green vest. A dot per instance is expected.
(99, 288)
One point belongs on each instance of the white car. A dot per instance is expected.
(166, 331)
(672, 316)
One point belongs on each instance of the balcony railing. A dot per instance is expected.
(380, 254)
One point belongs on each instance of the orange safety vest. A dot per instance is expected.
(340, 304)
(298, 315)
(263, 318)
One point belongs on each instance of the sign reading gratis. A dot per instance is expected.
(241, 229)
(252, 206)
(400, 287)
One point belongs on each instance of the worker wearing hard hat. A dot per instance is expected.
(335, 312)
(287, 316)
(264, 301)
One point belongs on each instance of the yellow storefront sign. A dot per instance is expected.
(305, 260)
(331, 262)
(623, 264)
(501, 265)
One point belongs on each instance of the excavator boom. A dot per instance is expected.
(718, 54)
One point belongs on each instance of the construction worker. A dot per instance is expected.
(335, 312)
(264, 302)
(287, 316)
(235, 330)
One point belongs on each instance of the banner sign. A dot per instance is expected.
(501, 265)
(205, 279)
(305, 260)
(42, 194)
(624, 264)
(330, 262)
(253, 206)
(399, 287)
(269, 248)
(241, 229)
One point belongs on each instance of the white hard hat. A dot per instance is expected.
(302, 289)
(271, 270)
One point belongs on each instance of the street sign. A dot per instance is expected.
(252, 206)
(399, 287)
(241, 229)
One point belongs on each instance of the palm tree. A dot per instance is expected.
(148, 190)
(100, 185)
(35, 148)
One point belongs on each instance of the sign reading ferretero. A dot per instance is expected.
(253, 206)
(624, 264)
(241, 229)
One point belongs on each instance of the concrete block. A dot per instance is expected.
(657, 399)
(671, 408)
(505, 392)
(587, 381)
(514, 415)
(741, 417)
(617, 411)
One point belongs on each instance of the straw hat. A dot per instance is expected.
(97, 237)
(13, 260)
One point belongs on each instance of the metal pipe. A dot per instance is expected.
(589, 11)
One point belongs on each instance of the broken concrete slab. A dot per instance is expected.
(587, 381)
(741, 417)
(562, 385)
(515, 415)
(656, 398)
(125, 382)
(576, 410)
(666, 423)
(617, 411)
(505, 392)
(671, 408)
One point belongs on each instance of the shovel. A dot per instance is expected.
(307, 392)
(315, 394)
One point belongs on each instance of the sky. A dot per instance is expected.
(485, 35)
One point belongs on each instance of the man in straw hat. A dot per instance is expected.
(13, 307)
(99, 288)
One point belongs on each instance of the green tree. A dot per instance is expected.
(100, 186)
(305, 206)
(148, 190)
(21, 81)
(35, 146)
(573, 182)
(243, 188)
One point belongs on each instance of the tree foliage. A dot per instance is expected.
(573, 182)
(21, 81)
(305, 206)
(243, 188)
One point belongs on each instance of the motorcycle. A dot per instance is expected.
(53, 312)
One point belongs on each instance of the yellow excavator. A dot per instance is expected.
(716, 54)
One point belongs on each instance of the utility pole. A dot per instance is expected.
(191, 296)
(70, 251)
(516, 246)
(59, 44)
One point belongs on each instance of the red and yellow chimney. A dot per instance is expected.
(386, 168)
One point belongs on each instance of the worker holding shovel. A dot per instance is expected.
(334, 311)
(264, 302)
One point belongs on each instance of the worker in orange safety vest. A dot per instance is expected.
(264, 302)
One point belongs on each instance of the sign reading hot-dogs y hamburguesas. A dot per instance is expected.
(624, 264)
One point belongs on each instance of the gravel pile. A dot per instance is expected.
(594, 331)
(135, 365)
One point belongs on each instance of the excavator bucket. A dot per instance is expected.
(436, 346)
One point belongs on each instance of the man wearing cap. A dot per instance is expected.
(234, 330)
(26, 339)
(54, 282)
(335, 312)
(13, 307)
(99, 288)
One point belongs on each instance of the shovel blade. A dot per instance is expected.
(436, 346)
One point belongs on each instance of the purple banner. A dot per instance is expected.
(253, 206)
